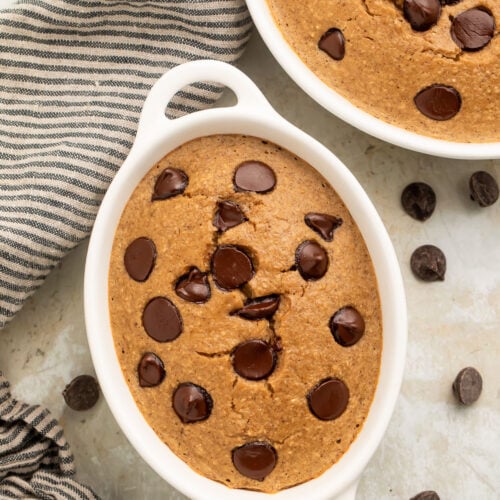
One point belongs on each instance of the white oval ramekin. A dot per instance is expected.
(345, 110)
(157, 136)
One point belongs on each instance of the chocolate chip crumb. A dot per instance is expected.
(467, 386)
(418, 200)
(81, 393)
(428, 263)
(483, 188)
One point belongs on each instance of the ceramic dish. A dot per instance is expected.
(157, 136)
(342, 108)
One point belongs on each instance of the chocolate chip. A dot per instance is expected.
(418, 200)
(253, 359)
(193, 286)
(259, 307)
(139, 258)
(162, 320)
(191, 402)
(254, 176)
(328, 399)
(151, 370)
(438, 102)
(450, 2)
(231, 267)
(333, 43)
(426, 495)
(347, 326)
(323, 224)
(468, 385)
(228, 215)
(311, 260)
(81, 393)
(428, 263)
(422, 14)
(483, 188)
(255, 460)
(169, 183)
(473, 29)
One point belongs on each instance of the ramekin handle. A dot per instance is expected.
(249, 97)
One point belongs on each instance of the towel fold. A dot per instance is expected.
(35, 458)
(73, 78)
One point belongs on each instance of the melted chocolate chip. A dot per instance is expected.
(254, 176)
(428, 263)
(483, 188)
(328, 399)
(162, 320)
(231, 267)
(81, 393)
(228, 215)
(323, 224)
(191, 402)
(139, 258)
(468, 386)
(151, 370)
(333, 43)
(473, 29)
(426, 495)
(253, 359)
(438, 102)
(422, 14)
(311, 260)
(171, 182)
(193, 286)
(259, 307)
(418, 200)
(255, 460)
(347, 326)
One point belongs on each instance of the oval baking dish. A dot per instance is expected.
(252, 116)
(305, 78)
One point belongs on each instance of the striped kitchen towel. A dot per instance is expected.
(35, 458)
(73, 78)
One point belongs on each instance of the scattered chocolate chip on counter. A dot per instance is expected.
(426, 495)
(467, 386)
(483, 188)
(428, 263)
(418, 200)
(81, 393)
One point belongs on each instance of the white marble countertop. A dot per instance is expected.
(431, 443)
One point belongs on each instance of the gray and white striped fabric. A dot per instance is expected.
(73, 77)
(35, 458)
